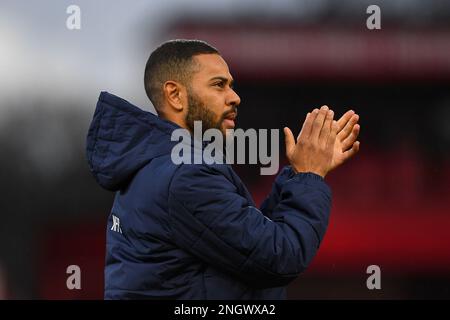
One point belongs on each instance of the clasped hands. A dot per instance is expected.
(323, 143)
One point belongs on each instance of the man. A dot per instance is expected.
(192, 231)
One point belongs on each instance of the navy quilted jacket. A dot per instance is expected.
(192, 231)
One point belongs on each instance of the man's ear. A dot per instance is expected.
(174, 95)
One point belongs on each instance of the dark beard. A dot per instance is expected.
(197, 111)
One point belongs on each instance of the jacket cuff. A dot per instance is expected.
(310, 179)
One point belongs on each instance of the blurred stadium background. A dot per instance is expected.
(391, 203)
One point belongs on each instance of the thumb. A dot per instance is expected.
(289, 139)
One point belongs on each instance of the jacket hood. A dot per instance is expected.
(122, 139)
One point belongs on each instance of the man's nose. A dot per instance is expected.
(234, 99)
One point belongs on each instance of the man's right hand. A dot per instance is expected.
(313, 151)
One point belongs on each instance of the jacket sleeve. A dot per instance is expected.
(273, 198)
(212, 221)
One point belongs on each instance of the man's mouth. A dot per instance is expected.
(229, 120)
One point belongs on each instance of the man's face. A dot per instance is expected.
(211, 97)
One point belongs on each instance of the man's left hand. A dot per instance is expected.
(346, 145)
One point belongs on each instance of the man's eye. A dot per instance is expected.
(219, 84)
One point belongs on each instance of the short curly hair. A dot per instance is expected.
(172, 60)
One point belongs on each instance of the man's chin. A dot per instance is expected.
(226, 130)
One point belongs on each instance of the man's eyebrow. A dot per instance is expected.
(223, 79)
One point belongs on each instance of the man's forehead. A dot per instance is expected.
(212, 65)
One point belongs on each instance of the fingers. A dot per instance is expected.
(307, 125)
(289, 140)
(333, 134)
(344, 119)
(350, 140)
(346, 131)
(326, 129)
(318, 123)
(354, 150)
